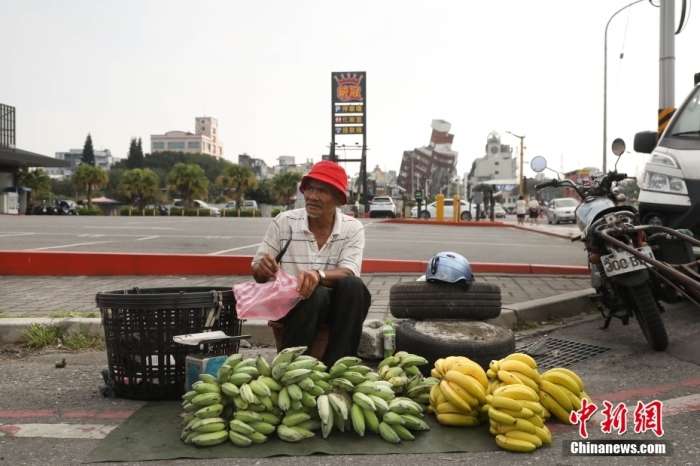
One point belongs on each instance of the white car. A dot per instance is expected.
(561, 210)
(215, 211)
(382, 206)
(431, 210)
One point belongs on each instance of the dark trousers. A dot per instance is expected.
(344, 308)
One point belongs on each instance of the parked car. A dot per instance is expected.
(162, 210)
(431, 210)
(499, 211)
(250, 205)
(230, 205)
(382, 206)
(215, 212)
(561, 210)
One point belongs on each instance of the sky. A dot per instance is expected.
(263, 69)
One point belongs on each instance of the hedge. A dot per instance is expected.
(244, 213)
(86, 211)
(136, 212)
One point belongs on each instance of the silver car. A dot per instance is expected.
(561, 210)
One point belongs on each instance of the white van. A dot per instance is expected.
(670, 185)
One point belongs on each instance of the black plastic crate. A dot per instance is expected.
(139, 324)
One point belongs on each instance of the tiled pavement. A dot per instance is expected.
(42, 296)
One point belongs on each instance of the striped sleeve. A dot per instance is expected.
(270, 243)
(351, 254)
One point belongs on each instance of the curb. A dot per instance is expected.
(90, 264)
(538, 310)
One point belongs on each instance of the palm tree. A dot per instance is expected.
(89, 178)
(187, 181)
(237, 178)
(284, 187)
(37, 180)
(142, 184)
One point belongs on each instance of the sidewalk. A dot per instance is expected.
(27, 300)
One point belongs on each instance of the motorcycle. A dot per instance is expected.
(619, 254)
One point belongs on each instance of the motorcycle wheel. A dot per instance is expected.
(647, 313)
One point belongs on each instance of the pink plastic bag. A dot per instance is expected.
(271, 300)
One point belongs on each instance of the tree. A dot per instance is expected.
(187, 182)
(141, 185)
(37, 180)
(89, 178)
(135, 157)
(237, 178)
(487, 189)
(261, 193)
(88, 152)
(284, 187)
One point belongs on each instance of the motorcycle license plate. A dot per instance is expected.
(623, 262)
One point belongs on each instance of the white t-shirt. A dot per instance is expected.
(520, 206)
(534, 204)
(343, 249)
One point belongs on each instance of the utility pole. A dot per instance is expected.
(667, 62)
(522, 188)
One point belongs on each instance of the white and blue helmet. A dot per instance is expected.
(448, 267)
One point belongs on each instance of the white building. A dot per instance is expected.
(103, 159)
(498, 163)
(205, 139)
(287, 163)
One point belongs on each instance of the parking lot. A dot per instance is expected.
(241, 236)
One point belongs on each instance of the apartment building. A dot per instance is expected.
(204, 140)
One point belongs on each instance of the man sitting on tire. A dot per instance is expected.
(326, 249)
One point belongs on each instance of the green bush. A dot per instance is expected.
(86, 211)
(244, 213)
(276, 212)
(136, 212)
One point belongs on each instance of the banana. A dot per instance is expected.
(586, 396)
(207, 399)
(508, 378)
(380, 404)
(302, 364)
(353, 377)
(512, 444)
(266, 402)
(394, 372)
(210, 411)
(294, 376)
(363, 401)
(544, 434)
(209, 439)
(360, 369)
(241, 427)
(326, 428)
(308, 400)
(262, 427)
(413, 360)
(390, 361)
(491, 374)
(306, 384)
(240, 379)
(458, 420)
(522, 357)
(213, 424)
(418, 390)
(284, 402)
(279, 370)
(305, 433)
(521, 424)
(560, 378)
(501, 417)
(468, 383)
(323, 385)
(514, 365)
(224, 373)
(349, 361)
(553, 390)
(188, 418)
(494, 365)
(339, 422)
(233, 360)
(464, 395)
(342, 384)
(371, 420)
(239, 440)
(208, 378)
(248, 395)
(368, 388)
(505, 403)
(324, 409)
(527, 381)
(393, 418)
(449, 408)
(294, 391)
(315, 390)
(271, 383)
(570, 373)
(227, 388)
(520, 435)
(402, 432)
(372, 377)
(250, 370)
(357, 417)
(397, 382)
(189, 395)
(294, 419)
(256, 437)
(435, 373)
(474, 371)
(338, 404)
(552, 406)
(337, 370)
(263, 366)
(257, 408)
(203, 387)
(287, 434)
(240, 402)
(288, 355)
(414, 423)
(522, 413)
(450, 395)
(247, 416)
(575, 400)
(388, 433)
(259, 388)
(191, 407)
(517, 392)
(533, 406)
(320, 367)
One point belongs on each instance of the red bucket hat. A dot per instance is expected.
(331, 173)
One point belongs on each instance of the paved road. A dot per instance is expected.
(37, 399)
(241, 236)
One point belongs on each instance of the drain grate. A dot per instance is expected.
(552, 352)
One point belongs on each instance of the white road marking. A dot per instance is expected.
(144, 239)
(133, 227)
(234, 249)
(80, 431)
(67, 246)
(16, 234)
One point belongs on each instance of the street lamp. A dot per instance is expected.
(605, 88)
(522, 188)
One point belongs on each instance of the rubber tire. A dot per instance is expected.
(425, 214)
(647, 314)
(556, 220)
(466, 216)
(435, 300)
(433, 348)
